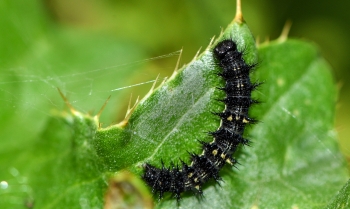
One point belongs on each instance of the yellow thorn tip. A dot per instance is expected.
(71, 108)
(103, 107)
(239, 15)
(284, 35)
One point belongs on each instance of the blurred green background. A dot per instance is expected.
(92, 49)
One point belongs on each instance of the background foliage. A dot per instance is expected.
(103, 45)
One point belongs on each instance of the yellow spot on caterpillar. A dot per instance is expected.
(230, 118)
(229, 161)
(237, 117)
(190, 175)
(196, 180)
(245, 120)
(197, 187)
(215, 152)
(223, 156)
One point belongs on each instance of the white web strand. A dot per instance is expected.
(40, 84)
(295, 115)
(130, 86)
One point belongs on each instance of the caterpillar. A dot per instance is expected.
(226, 139)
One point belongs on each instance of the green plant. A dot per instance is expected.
(294, 160)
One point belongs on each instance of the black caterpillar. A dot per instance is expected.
(227, 137)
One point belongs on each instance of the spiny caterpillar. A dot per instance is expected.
(235, 72)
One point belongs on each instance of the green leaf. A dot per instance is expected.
(341, 200)
(295, 151)
(294, 160)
